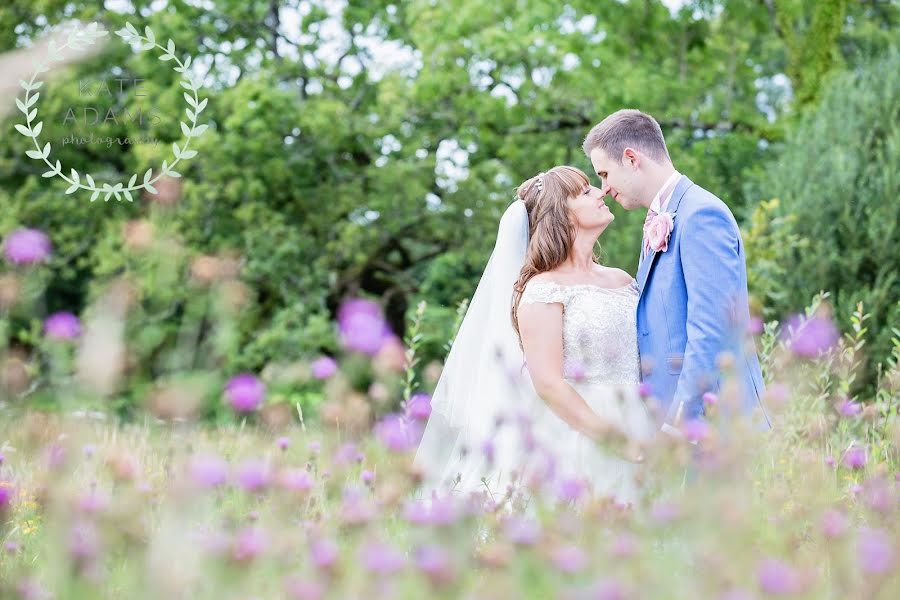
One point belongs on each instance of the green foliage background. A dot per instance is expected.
(371, 148)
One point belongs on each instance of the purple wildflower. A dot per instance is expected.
(419, 407)
(208, 470)
(571, 489)
(398, 434)
(324, 553)
(249, 543)
(833, 524)
(522, 531)
(875, 551)
(849, 408)
(62, 326)
(27, 246)
(380, 558)
(777, 578)
(254, 475)
(245, 392)
(296, 480)
(435, 563)
(569, 559)
(855, 457)
(362, 327)
(695, 430)
(324, 367)
(810, 337)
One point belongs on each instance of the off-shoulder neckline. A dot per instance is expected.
(590, 285)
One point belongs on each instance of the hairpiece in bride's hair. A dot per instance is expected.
(540, 182)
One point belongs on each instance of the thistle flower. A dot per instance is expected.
(27, 246)
(875, 551)
(208, 470)
(62, 326)
(324, 367)
(245, 392)
(362, 327)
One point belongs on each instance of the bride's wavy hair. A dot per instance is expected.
(551, 226)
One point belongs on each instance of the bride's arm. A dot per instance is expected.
(540, 325)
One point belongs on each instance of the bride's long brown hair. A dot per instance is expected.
(550, 226)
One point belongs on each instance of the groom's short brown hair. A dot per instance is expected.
(627, 128)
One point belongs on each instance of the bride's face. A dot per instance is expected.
(589, 210)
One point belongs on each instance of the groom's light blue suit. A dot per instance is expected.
(693, 310)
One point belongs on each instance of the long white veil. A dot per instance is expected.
(462, 444)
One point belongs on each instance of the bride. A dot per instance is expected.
(540, 385)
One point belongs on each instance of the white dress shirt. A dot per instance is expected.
(661, 199)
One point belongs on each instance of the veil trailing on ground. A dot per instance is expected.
(478, 387)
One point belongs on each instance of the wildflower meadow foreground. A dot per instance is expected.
(126, 473)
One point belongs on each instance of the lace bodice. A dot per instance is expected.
(599, 329)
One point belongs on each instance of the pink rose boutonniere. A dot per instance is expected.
(658, 231)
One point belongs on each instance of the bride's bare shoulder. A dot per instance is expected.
(615, 277)
(545, 277)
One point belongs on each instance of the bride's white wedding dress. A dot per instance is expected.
(489, 431)
(601, 363)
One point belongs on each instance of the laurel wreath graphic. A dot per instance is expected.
(76, 40)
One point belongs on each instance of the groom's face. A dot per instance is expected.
(617, 178)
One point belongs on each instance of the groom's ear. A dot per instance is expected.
(631, 158)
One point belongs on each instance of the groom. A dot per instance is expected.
(693, 311)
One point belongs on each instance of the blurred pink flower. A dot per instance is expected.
(574, 370)
(522, 531)
(62, 326)
(208, 470)
(362, 327)
(419, 407)
(645, 389)
(27, 246)
(608, 589)
(875, 551)
(398, 434)
(624, 546)
(695, 430)
(324, 367)
(7, 494)
(833, 524)
(829, 460)
(249, 543)
(84, 543)
(855, 457)
(245, 392)
(710, 399)
(569, 559)
(849, 408)
(777, 578)
(304, 589)
(254, 475)
(380, 558)
(296, 480)
(570, 489)
(809, 337)
(434, 561)
(755, 325)
(367, 476)
(878, 496)
(664, 512)
(324, 553)
(283, 442)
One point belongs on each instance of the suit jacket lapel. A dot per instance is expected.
(647, 264)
